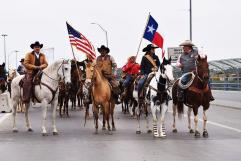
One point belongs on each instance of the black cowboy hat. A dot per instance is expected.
(22, 60)
(36, 44)
(103, 48)
(149, 47)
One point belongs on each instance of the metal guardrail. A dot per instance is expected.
(226, 83)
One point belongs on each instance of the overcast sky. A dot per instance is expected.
(216, 25)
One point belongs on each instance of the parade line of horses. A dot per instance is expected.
(63, 82)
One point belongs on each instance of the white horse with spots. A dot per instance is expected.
(46, 93)
(159, 93)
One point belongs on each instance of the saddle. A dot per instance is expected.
(186, 80)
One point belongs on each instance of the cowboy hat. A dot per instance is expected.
(103, 48)
(187, 43)
(22, 60)
(149, 47)
(36, 44)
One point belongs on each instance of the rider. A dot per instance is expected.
(149, 63)
(130, 69)
(186, 62)
(21, 69)
(109, 67)
(3, 73)
(34, 62)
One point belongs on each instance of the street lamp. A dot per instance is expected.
(4, 44)
(190, 19)
(106, 36)
(16, 58)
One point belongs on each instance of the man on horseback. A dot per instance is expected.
(21, 69)
(187, 63)
(109, 67)
(34, 62)
(130, 69)
(149, 63)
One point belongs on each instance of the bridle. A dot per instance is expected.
(197, 74)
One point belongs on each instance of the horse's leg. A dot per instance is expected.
(174, 112)
(189, 120)
(195, 111)
(95, 112)
(162, 129)
(67, 107)
(107, 107)
(112, 108)
(205, 132)
(14, 111)
(148, 108)
(28, 125)
(104, 117)
(44, 116)
(54, 107)
(138, 115)
(154, 120)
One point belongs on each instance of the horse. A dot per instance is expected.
(46, 93)
(159, 93)
(101, 97)
(63, 98)
(3, 83)
(197, 94)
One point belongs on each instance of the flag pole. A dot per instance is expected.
(142, 35)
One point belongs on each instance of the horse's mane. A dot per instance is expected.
(53, 66)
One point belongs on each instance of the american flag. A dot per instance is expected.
(80, 42)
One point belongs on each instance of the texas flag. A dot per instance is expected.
(151, 33)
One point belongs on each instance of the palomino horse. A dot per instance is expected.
(159, 93)
(101, 97)
(197, 94)
(46, 93)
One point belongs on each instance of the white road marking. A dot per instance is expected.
(4, 117)
(216, 124)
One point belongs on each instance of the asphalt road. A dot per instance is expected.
(78, 143)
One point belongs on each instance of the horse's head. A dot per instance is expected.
(12, 74)
(202, 68)
(166, 70)
(64, 71)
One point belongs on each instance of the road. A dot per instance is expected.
(78, 143)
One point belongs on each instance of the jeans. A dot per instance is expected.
(141, 83)
(127, 81)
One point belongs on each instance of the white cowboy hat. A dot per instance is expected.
(187, 43)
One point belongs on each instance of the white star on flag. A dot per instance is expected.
(150, 29)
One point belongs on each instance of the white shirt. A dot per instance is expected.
(37, 54)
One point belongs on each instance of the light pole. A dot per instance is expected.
(16, 58)
(190, 19)
(4, 44)
(106, 36)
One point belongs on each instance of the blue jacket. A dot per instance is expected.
(146, 66)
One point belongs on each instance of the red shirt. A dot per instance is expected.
(131, 68)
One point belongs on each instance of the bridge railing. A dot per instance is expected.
(226, 83)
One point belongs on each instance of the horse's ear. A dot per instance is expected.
(206, 58)
(169, 60)
(198, 57)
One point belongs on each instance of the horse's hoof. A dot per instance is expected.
(15, 130)
(103, 128)
(191, 131)
(55, 133)
(30, 130)
(44, 134)
(205, 134)
(197, 134)
(138, 132)
(163, 136)
(174, 130)
(149, 131)
(113, 129)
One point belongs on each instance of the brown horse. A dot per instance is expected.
(101, 97)
(196, 95)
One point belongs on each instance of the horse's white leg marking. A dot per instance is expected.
(196, 123)
(174, 108)
(147, 118)
(44, 115)
(162, 120)
(204, 121)
(28, 125)
(189, 118)
(154, 120)
(14, 111)
(54, 107)
(138, 130)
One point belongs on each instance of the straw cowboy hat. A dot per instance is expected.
(187, 43)
(103, 48)
(36, 44)
(149, 47)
